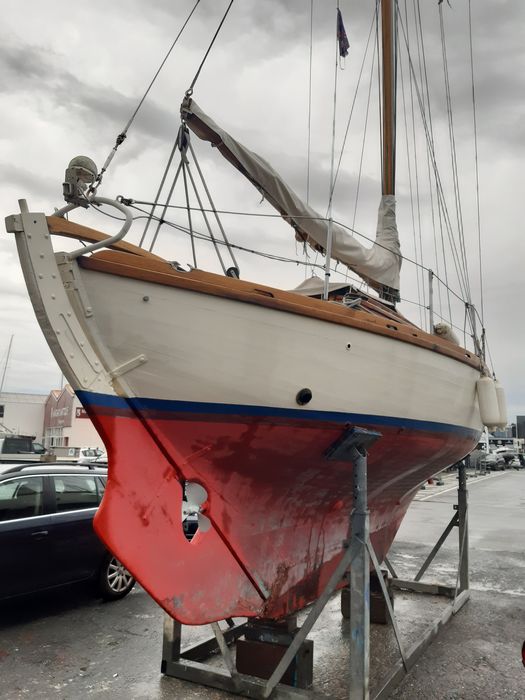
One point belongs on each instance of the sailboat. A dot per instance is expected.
(235, 399)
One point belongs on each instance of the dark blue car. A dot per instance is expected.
(46, 530)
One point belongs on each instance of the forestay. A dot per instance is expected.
(379, 265)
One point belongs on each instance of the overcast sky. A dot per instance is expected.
(72, 75)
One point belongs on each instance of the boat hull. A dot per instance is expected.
(189, 377)
(279, 507)
(215, 403)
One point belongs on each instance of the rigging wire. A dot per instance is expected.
(365, 130)
(354, 101)
(455, 174)
(204, 237)
(309, 103)
(409, 169)
(212, 205)
(439, 186)
(181, 142)
(420, 265)
(188, 211)
(309, 124)
(476, 164)
(425, 86)
(189, 91)
(134, 202)
(358, 282)
(159, 190)
(201, 236)
(416, 169)
(379, 101)
(328, 253)
(170, 195)
(122, 136)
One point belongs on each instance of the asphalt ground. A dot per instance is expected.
(66, 644)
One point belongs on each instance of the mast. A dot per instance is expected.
(388, 42)
(6, 362)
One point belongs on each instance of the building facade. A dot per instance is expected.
(67, 426)
(22, 414)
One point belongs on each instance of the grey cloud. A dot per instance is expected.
(499, 67)
(30, 68)
(23, 65)
(41, 186)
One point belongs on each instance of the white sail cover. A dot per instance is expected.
(379, 265)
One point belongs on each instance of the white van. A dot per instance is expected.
(91, 454)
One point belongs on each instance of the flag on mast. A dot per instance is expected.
(342, 39)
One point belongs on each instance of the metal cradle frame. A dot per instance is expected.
(189, 664)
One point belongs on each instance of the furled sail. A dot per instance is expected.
(379, 265)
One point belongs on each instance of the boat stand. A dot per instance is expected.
(295, 654)
(459, 594)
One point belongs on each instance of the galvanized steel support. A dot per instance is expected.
(360, 583)
(463, 527)
(358, 553)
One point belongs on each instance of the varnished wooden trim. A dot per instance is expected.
(69, 229)
(159, 271)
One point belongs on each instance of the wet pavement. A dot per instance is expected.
(69, 645)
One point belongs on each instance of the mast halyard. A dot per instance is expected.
(388, 43)
(329, 236)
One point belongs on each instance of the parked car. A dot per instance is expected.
(14, 448)
(508, 454)
(88, 455)
(492, 461)
(46, 530)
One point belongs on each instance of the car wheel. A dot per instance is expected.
(114, 580)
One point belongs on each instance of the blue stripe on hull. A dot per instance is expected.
(202, 408)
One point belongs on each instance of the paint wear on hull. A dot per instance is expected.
(279, 507)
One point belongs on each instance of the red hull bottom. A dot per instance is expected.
(279, 508)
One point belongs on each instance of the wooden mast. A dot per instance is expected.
(389, 97)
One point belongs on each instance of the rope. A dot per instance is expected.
(189, 91)
(122, 136)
